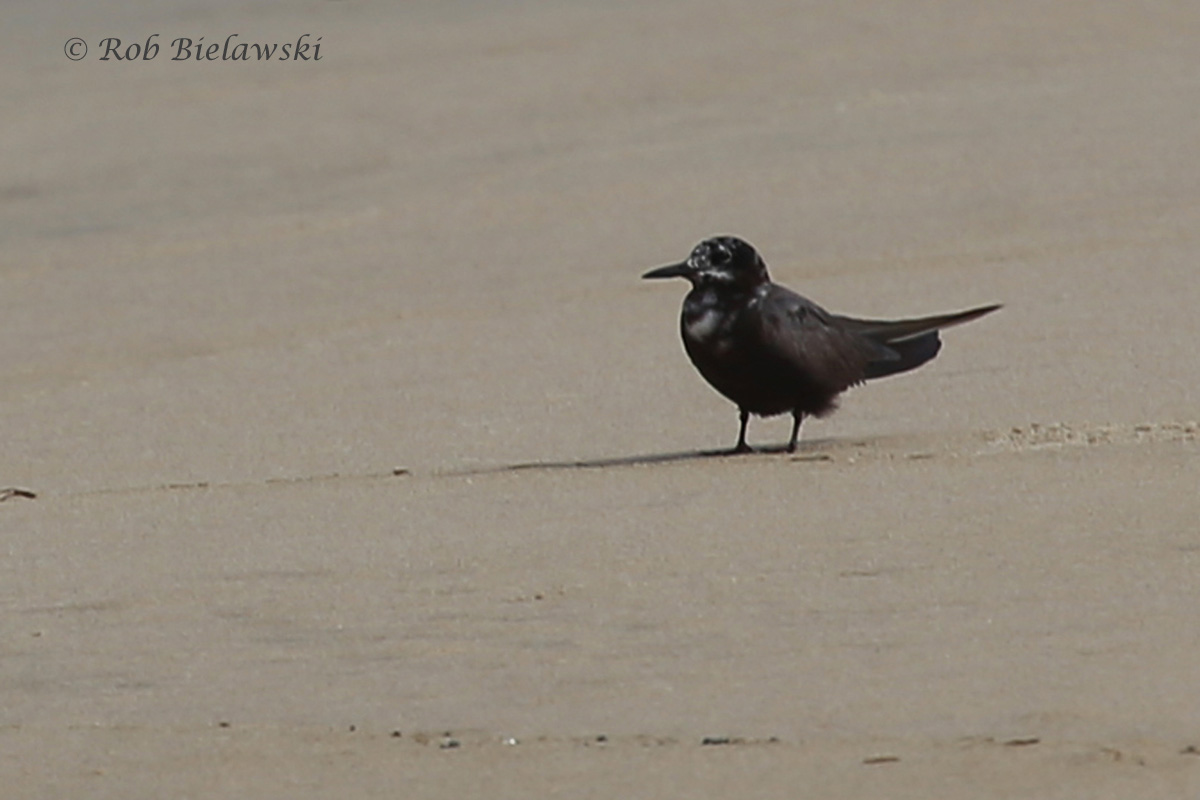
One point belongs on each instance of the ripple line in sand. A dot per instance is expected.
(1059, 434)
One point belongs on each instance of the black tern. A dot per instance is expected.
(771, 351)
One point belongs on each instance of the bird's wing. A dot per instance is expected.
(895, 331)
(805, 338)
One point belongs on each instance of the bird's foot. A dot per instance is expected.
(741, 449)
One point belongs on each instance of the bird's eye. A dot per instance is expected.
(719, 255)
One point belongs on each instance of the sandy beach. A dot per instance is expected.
(355, 459)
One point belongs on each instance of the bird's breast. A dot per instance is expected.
(708, 324)
(703, 325)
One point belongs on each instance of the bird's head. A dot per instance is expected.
(720, 261)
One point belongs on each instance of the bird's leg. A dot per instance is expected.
(797, 418)
(742, 447)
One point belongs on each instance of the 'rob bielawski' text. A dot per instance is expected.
(185, 49)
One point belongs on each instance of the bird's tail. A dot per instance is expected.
(903, 355)
(907, 343)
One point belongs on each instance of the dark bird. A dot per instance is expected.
(771, 351)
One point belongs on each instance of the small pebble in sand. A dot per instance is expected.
(1023, 741)
(881, 760)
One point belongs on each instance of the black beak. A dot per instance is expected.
(680, 270)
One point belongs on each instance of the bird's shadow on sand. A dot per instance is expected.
(807, 451)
